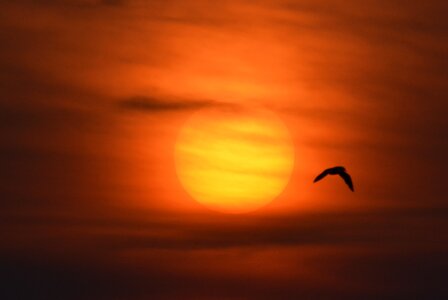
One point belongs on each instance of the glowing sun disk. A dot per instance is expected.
(234, 159)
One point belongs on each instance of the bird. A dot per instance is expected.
(337, 171)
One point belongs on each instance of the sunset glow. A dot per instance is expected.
(167, 149)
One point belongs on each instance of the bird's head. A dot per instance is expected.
(340, 168)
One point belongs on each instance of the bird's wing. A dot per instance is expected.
(347, 179)
(321, 175)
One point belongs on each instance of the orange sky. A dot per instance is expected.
(93, 96)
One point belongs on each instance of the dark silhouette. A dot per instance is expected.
(337, 171)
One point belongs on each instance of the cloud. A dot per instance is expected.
(293, 230)
(152, 104)
(321, 255)
(169, 231)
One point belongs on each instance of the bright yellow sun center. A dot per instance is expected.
(232, 159)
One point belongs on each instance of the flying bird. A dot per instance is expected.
(337, 171)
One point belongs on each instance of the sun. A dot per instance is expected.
(234, 159)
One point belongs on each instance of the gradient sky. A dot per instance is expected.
(94, 93)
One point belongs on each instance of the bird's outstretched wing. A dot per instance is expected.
(321, 175)
(347, 179)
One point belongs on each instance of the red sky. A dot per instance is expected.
(94, 93)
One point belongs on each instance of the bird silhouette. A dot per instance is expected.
(336, 171)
